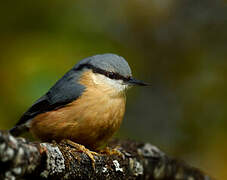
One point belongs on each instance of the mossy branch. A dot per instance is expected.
(22, 159)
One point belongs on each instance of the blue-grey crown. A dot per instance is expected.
(107, 62)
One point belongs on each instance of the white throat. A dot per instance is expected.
(118, 85)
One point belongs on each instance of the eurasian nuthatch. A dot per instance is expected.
(86, 105)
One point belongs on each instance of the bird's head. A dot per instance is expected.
(111, 70)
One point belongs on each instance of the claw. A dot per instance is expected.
(81, 148)
(110, 152)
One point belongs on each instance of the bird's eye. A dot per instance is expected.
(110, 75)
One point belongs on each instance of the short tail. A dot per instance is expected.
(18, 130)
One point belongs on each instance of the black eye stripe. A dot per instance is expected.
(108, 74)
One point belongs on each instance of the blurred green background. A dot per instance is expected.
(178, 46)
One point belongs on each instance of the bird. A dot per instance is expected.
(85, 106)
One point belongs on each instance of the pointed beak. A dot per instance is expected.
(134, 82)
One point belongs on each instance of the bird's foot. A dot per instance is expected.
(81, 148)
(114, 151)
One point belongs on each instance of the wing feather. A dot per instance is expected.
(66, 90)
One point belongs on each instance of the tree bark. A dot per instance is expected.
(22, 159)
